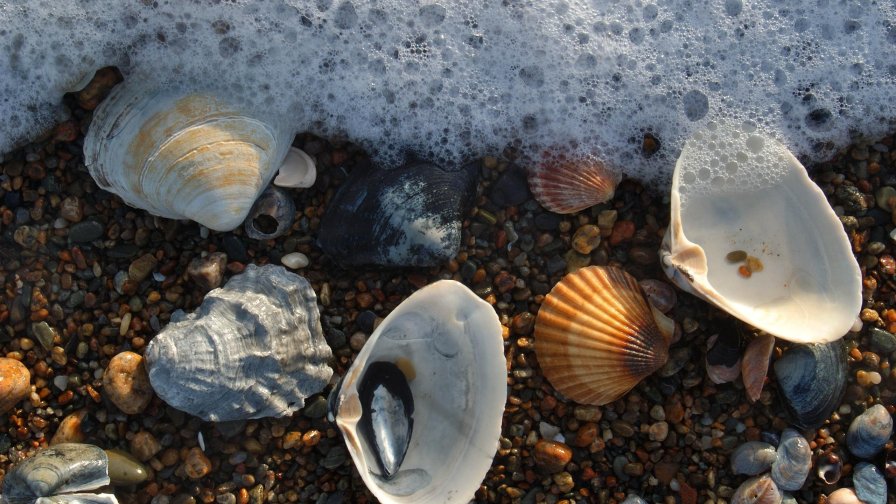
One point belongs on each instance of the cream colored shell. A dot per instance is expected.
(447, 342)
(735, 190)
(183, 155)
(596, 337)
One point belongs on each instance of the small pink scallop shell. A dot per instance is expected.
(566, 186)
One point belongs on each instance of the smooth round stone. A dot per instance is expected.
(586, 239)
(126, 383)
(124, 469)
(208, 272)
(86, 231)
(551, 456)
(197, 464)
(295, 260)
(145, 446)
(316, 407)
(15, 383)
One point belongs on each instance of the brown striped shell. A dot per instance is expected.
(595, 335)
(566, 186)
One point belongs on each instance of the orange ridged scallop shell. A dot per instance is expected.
(595, 335)
(566, 186)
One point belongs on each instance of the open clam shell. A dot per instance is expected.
(183, 155)
(752, 234)
(420, 408)
(596, 337)
(59, 474)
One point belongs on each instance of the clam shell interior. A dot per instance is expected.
(448, 344)
(737, 191)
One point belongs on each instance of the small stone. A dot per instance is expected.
(45, 334)
(124, 469)
(522, 323)
(586, 435)
(622, 428)
(586, 239)
(551, 456)
(511, 188)
(659, 431)
(86, 231)
(575, 261)
(622, 231)
(126, 383)
(70, 429)
(295, 260)
(15, 383)
(884, 197)
(665, 471)
(657, 412)
(197, 464)
(357, 341)
(141, 267)
(606, 219)
(207, 272)
(634, 469)
(70, 209)
(587, 413)
(145, 446)
(882, 342)
(564, 481)
(316, 407)
(292, 439)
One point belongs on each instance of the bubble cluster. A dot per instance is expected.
(453, 79)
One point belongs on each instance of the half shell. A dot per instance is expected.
(59, 473)
(183, 155)
(812, 380)
(297, 170)
(739, 194)
(566, 186)
(253, 349)
(595, 335)
(420, 408)
(793, 461)
(869, 432)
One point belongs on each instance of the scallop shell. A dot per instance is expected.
(754, 365)
(812, 380)
(183, 155)
(59, 473)
(566, 186)
(595, 335)
(737, 193)
(253, 349)
(869, 432)
(420, 408)
(757, 490)
(752, 458)
(793, 462)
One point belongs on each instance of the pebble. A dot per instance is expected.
(357, 340)
(141, 267)
(86, 231)
(292, 439)
(883, 196)
(586, 239)
(145, 446)
(70, 429)
(551, 456)
(316, 407)
(208, 272)
(15, 383)
(295, 260)
(511, 188)
(124, 469)
(126, 383)
(70, 209)
(659, 431)
(45, 335)
(882, 342)
(197, 465)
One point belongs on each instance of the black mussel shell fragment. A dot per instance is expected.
(409, 216)
(387, 414)
(812, 380)
(272, 214)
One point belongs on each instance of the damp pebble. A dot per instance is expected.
(294, 260)
(197, 465)
(141, 267)
(15, 383)
(551, 456)
(124, 469)
(126, 383)
(208, 272)
(145, 446)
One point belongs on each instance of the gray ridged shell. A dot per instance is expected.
(253, 349)
(794, 460)
(752, 458)
(869, 432)
(870, 485)
(65, 468)
(812, 379)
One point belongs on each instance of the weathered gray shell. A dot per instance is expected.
(757, 490)
(870, 485)
(59, 473)
(793, 462)
(869, 432)
(812, 380)
(752, 458)
(253, 349)
(271, 215)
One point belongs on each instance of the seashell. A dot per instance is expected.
(843, 496)
(869, 483)
(595, 335)
(421, 406)
(183, 155)
(724, 356)
(793, 462)
(297, 170)
(59, 474)
(253, 349)
(757, 490)
(566, 186)
(830, 468)
(869, 432)
(409, 216)
(812, 381)
(271, 216)
(754, 365)
(738, 193)
(752, 458)
(659, 293)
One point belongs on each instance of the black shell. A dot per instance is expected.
(387, 418)
(408, 216)
(812, 381)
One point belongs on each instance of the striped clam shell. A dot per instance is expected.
(566, 186)
(595, 335)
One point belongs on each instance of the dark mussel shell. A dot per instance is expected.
(812, 381)
(387, 418)
(405, 217)
(272, 214)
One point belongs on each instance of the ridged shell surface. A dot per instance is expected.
(812, 380)
(757, 490)
(253, 349)
(447, 344)
(869, 432)
(595, 335)
(59, 472)
(566, 186)
(793, 461)
(752, 458)
(183, 155)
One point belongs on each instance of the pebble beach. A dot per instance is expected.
(88, 281)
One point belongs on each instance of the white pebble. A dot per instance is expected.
(893, 235)
(61, 382)
(294, 260)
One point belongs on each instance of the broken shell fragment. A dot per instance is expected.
(752, 458)
(596, 337)
(59, 474)
(869, 432)
(723, 359)
(830, 468)
(812, 380)
(253, 349)
(565, 186)
(754, 365)
(421, 406)
(271, 215)
(660, 294)
(793, 461)
(736, 192)
(297, 170)
(757, 490)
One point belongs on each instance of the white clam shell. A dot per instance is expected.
(297, 170)
(183, 155)
(447, 343)
(737, 190)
